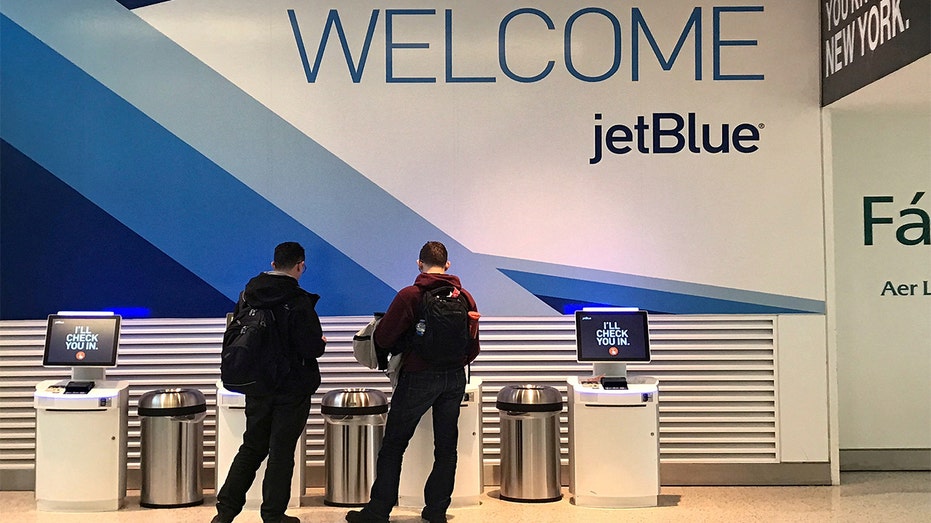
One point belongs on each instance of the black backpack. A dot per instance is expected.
(441, 336)
(254, 358)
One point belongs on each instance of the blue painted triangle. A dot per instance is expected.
(62, 252)
(567, 295)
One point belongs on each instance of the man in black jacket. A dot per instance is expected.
(276, 421)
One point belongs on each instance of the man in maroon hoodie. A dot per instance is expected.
(421, 386)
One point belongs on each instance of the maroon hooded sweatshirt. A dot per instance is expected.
(405, 310)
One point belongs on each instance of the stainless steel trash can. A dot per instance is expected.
(172, 447)
(354, 425)
(529, 421)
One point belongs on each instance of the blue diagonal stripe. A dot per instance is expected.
(253, 144)
(155, 183)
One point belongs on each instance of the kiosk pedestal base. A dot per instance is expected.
(81, 447)
(418, 460)
(614, 444)
(231, 423)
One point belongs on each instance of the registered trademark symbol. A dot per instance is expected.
(762, 126)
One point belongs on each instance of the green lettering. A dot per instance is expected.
(888, 287)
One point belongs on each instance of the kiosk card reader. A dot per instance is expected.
(613, 418)
(79, 387)
(614, 383)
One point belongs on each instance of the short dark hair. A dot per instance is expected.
(288, 254)
(433, 254)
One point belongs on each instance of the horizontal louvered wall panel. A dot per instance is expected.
(717, 379)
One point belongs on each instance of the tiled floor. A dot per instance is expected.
(874, 497)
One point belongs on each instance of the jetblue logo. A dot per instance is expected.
(671, 133)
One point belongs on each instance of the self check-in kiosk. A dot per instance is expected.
(81, 423)
(613, 418)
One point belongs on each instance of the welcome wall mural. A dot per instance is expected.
(661, 154)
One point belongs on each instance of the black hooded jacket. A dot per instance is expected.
(301, 332)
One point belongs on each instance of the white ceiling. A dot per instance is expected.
(909, 88)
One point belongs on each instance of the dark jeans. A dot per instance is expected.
(415, 393)
(273, 426)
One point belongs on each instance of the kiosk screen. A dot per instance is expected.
(81, 341)
(612, 336)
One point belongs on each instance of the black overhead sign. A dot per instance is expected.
(864, 40)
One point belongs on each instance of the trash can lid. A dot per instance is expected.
(529, 398)
(172, 402)
(354, 401)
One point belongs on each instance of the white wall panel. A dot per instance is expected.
(803, 388)
(883, 334)
(719, 395)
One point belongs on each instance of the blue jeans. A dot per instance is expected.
(415, 393)
(273, 426)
